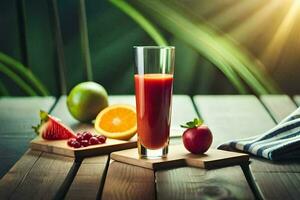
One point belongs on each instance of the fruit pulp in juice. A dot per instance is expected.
(153, 94)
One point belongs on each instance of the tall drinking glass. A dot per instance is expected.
(154, 68)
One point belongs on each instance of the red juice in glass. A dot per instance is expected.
(153, 77)
(153, 103)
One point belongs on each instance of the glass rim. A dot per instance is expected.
(153, 47)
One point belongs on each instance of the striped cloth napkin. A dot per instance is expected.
(280, 143)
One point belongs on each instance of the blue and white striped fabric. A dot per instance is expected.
(280, 143)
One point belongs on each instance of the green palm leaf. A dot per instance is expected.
(14, 77)
(141, 20)
(84, 39)
(18, 68)
(3, 90)
(221, 51)
(224, 53)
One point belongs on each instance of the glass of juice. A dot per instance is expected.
(154, 68)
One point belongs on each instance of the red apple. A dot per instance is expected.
(197, 138)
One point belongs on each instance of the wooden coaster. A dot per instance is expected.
(178, 156)
(61, 147)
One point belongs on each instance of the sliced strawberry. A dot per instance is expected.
(50, 128)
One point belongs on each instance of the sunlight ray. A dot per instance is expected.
(272, 52)
(229, 16)
(211, 7)
(255, 22)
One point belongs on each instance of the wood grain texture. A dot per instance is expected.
(44, 179)
(18, 114)
(17, 173)
(272, 180)
(278, 185)
(88, 179)
(61, 147)
(130, 182)
(263, 165)
(279, 106)
(297, 99)
(194, 183)
(231, 116)
(11, 149)
(285, 174)
(125, 181)
(90, 175)
(178, 156)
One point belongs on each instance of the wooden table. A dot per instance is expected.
(38, 175)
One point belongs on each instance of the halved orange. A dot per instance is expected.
(117, 122)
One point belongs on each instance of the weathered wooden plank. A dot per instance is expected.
(279, 106)
(130, 182)
(89, 179)
(194, 183)
(89, 176)
(18, 114)
(285, 174)
(272, 180)
(182, 111)
(125, 181)
(265, 166)
(47, 177)
(297, 99)
(278, 185)
(232, 117)
(16, 174)
(11, 149)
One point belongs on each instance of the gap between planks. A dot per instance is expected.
(262, 172)
(124, 181)
(18, 114)
(38, 175)
(87, 183)
(297, 99)
(195, 183)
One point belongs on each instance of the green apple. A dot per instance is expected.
(86, 100)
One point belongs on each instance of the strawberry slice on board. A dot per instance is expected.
(51, 128)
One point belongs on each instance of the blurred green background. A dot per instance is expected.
(228, 46)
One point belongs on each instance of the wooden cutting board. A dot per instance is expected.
(61, 147)
(178, 156)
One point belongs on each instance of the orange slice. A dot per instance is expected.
(117, 122)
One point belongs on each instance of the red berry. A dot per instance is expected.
(79, 138)
(84, 143)
(71, 141)
(93, 140)
(76, 144)
(101, 138)
(87, 135)
(78, 134)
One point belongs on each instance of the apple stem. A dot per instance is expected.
(193, 124)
